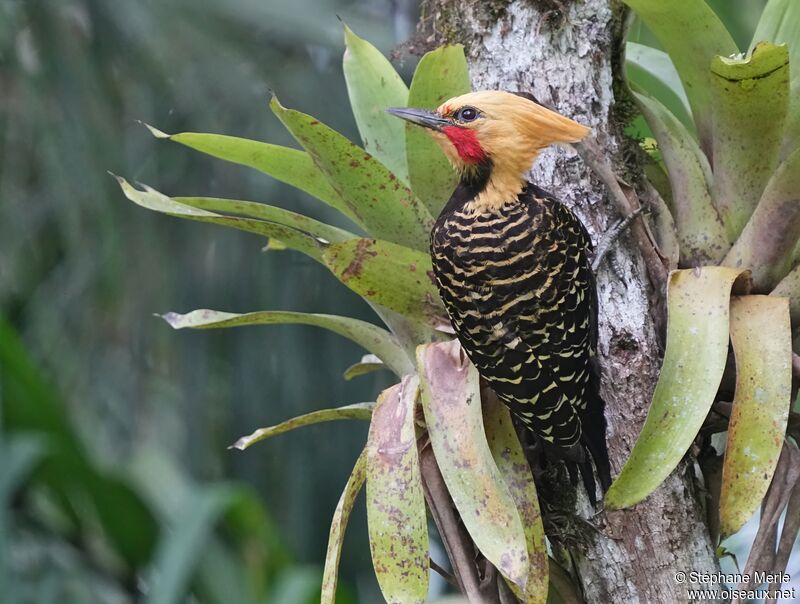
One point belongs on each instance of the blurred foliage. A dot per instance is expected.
(81, 272)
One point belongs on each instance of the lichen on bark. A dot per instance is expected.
(568, 55)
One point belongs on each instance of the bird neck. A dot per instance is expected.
(492, 187)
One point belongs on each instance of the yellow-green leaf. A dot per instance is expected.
(692, 35)
(376, 199)
(695, 356)
(441, 74)
(750, 99)
(361, 411)
(292, 166)
(391, 275)
(398, 529)
(451, 402)
(511, 461)
(700, 231)
(767, 244)
(762, 343)
(789, 287)
(779, 23)
(376, 340)
(373, 86)
(292, 237)
(341, 515)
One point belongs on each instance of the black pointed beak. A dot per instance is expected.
(420, 117)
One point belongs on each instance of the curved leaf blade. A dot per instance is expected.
(700, 231)
(768, 242)
(750, 98)
(153, 200)
(291, 166)
(398, 529)
(440, 75)
(695, 356)
(641, 59)
(361, 411)
(762, 343)
(261, 211)
(376, 199)
(692, 35)
(513, 465)
(376, 340)
(341, 515)
(451, 402)
(391, 275)
(373, 86)
(779, 23)
(789, 287)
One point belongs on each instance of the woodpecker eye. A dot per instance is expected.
(466, 114)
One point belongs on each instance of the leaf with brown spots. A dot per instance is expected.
(373, 86)
(441, 74)
(398, 530)
(451, 401)
(762, 343)
(330, 576)
(391, 275)
(513, 465)
(376, 199)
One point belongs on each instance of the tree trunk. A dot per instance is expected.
(568, 54)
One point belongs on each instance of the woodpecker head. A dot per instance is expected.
(495, 130)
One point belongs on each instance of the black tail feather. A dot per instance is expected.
(593, 437)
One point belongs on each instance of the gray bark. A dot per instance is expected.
(570, 61)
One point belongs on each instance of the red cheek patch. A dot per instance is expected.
(466, 143)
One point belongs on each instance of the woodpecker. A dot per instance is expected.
(512, 265)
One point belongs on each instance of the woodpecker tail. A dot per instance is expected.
(593, 439)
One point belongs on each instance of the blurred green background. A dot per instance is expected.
(115, 478)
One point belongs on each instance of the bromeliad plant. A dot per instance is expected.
(431, 443)
(728, 165)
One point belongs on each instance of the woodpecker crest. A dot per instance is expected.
(493, 138)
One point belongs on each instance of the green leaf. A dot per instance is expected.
(767, 244)
(750, 99)
(762, 343)
(373, 86)
(341, 515)
(376, 340)
(377, 200)
(180, 549)
(355, 411)
(516, 471)
(292, 166)
(391, 275)
(700, 231)
(652, 70)
(369, 363)
(262, 211)
(440, 75)
(153, 200)
(779, 23)
(694, 359)
(692, 35)
(789, 287)
(451, 402)
(398, 529)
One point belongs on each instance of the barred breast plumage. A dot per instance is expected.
(519, 289)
